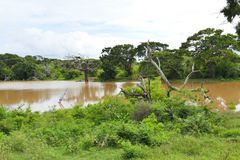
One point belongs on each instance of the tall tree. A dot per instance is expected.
(122, 56)
(209, 47)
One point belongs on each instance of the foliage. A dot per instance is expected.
(122, 56)
(231, 11)
(130, 130)
(131, 151)
(13, 67)
(214, 53)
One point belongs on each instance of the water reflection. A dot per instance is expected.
(43, 95)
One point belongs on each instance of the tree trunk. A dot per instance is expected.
(86, 75)
(86, 70)
(129, 70)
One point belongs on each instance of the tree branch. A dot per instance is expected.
(148, 54)
(189, 76)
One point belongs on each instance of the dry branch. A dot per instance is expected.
(157, 65)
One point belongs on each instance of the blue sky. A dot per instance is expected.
(57, 28)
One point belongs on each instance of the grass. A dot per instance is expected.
(179, 148)
(119, 128)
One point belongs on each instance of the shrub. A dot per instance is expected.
(77, 112)
(86, 142)
(72, 145)
(129, 131)
(3, 113)
(17, 141)
(112, 108)
(106, 134)
(151, 132)
(198, 124)
(141, 111)
(131, 151)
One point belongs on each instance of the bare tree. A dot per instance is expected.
(84, 64)
(157, 64)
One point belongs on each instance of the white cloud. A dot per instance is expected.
(59, 27)
(54, 44)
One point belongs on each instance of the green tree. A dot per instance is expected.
(208, 48)
(108, 64)
(231, 11)
(122, 56)
(10, 59)
(5, 72)
(170, 60)
(24, 70)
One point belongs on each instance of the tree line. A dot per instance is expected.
(215, 55)
(14, 67)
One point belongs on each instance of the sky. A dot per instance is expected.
(58, 28)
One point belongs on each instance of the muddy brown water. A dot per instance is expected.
(222, 93)
(229, 91)
(45, 95)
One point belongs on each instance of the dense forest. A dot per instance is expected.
(214, 53)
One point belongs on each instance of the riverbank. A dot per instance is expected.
(44, 95)
(119, 129)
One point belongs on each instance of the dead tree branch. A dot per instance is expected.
(157, 65)
(145, 95)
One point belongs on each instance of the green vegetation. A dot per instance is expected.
(13, 67)
(231, 11)
(214, 54)
(122, 128)
(145, 122)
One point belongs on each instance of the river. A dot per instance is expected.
(44, 95)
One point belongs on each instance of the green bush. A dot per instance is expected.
(112, 108)
(129, 131)
(131, 151)
(199, 123)
(86, 142)
(72, 145)
(19, 143)
(106, 134)
(141, 111)
(116, 124)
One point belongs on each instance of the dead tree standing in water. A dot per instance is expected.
(84, 64)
